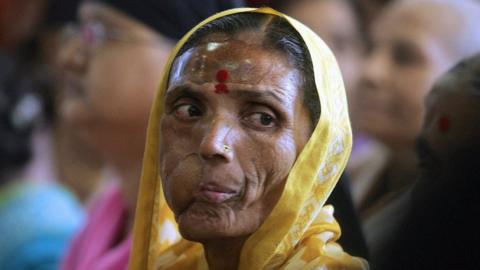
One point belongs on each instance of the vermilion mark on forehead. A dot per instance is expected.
(444, 124)
(222, 77)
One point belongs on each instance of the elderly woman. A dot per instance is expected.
(239, 150)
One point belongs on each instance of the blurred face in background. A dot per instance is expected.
(336, 23)
(410, 50)
(111, 68)
(449, 137)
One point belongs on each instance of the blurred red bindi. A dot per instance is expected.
(222, 77)
(444, 124)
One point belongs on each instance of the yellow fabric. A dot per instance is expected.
(300, 233)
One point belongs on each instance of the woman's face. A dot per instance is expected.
(232, 127)
(111, 70)
(408, 54)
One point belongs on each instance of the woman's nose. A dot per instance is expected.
(217, 140)
(375, 70)
(72, 55)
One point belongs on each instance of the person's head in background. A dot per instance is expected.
(413, 43)
(73, 163)
(340, 23)
(449, 140)
(111, 70)
(109, 77)
(447, 193)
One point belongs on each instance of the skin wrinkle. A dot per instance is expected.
(275, 92)
(252, 186)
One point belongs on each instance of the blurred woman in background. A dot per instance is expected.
(110, 73)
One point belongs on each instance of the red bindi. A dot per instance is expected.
(222, 77)
(221, 88)
(444, 124)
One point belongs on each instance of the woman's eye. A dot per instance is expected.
(187, 111)
(404, 55)
(261, 120)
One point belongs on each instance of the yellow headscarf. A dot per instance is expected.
(300, 232)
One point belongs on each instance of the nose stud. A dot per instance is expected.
(226, 148)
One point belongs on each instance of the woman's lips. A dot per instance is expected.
(214, 193)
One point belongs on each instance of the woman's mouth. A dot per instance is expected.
(214, 193)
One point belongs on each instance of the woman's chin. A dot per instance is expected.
(202, 222)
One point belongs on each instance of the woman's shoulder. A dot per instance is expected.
(28, 209)
(46, 202)
(37, 221)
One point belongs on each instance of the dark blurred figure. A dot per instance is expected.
(441, 229)
(340, 23)
(414, 43)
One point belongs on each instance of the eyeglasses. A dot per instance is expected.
(96, 34)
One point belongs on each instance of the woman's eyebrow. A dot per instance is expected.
(256, 94)
(182, 90)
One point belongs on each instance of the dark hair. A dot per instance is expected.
(279, 35)
(467, 74)
(171, 18)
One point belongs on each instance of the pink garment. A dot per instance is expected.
(97, 246)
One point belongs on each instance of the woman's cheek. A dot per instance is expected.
(181, 178)
(277, 159)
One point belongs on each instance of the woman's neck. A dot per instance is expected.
(224, 254)
(128, 177)
(40, 167)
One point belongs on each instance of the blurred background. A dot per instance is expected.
(60, 157)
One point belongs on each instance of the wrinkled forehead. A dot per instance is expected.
(240, 62)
